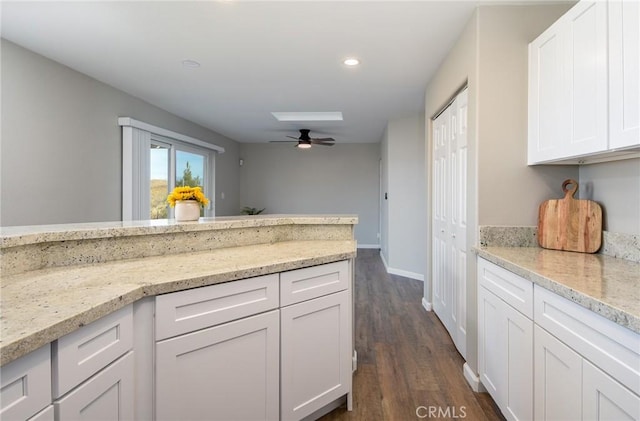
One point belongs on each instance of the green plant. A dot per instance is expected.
(251, 211)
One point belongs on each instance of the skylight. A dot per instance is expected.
(308, 116)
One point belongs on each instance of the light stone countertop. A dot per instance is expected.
(38, 307)
(24, 235)
(605, 285)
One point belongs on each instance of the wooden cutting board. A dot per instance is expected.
(570, 224)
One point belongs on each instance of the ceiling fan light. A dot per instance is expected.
(304, 144)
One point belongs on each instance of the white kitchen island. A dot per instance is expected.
(119, 313)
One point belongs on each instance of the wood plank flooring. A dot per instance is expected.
(406, 359)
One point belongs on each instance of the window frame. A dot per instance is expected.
(137, 138)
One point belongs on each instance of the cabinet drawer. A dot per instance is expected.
(511, 288)
(199, 308)
(106, 396)
(312, 282)
(26, 385)
(613, 348)
(82, 353)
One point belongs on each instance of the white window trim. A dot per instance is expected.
(136, 142)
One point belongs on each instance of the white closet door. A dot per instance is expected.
(449, 245)
(440, 200)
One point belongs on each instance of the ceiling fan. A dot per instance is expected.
(305, 142)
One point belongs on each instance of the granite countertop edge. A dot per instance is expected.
(286, 257)
(602, 308)
(26, 235)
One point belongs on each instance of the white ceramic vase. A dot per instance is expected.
(187, 210)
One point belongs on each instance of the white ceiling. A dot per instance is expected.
(256, 57)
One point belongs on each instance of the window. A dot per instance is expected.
(154, 161)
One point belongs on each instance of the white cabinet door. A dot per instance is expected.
(226, 372)
(505, 355)
(586, 76)
(548, 95)
(558, 379)
(46, 414)
(25, 385)
(491, 343)
(624, 73)
(449, 256)
(106, 396)
(568, 92)
(315, 354)
(606, 399)
(518, 393)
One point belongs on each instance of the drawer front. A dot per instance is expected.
(80, 354)
(511, 288)
(109, 395)
(26, 385)
(312, 282)
(613, 348)
(199, 308)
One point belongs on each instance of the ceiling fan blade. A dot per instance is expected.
(319, 142)
(293, 137)
(325, 139)
(284, 141)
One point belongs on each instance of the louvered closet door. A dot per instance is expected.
(449, 245)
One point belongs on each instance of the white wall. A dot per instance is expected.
(384, 188)
(338, 179)
(404, 246)
(616, 187)
(61, 150)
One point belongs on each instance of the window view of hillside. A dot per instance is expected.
(190, 169)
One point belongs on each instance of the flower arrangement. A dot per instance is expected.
(187, 193)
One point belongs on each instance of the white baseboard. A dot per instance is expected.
(426, 304)
(472, 379)
(406, 274)
(368, 246)
(400, 272)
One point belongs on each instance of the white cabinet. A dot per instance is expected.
(605, 399)
(316, 354)
(583, 366)
(93, 370)
(558, 379)
(449, 224)
(26, 385)
(217, 358)
(106, 396)
(624, 73)
(583, 83)
(568, 85)
(226, 372)
(505, 340)
(46, 414)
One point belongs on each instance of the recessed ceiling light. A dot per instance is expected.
(351, 61)
(308, 116)
(190, 63)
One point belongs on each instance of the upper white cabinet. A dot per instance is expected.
(583, 83)
(624, 73)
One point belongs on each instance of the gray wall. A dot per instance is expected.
(61, 144)
(491, 56)
(404, 242)
(616, 187)
(338, 179)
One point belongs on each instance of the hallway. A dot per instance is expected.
(408, 367)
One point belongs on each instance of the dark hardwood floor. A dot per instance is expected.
(406, 360)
